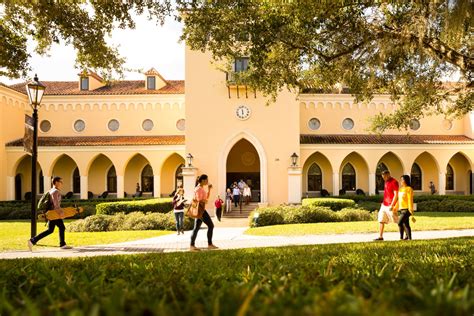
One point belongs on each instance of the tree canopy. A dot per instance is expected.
(405, 49)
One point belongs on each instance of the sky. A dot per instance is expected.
(148, 45)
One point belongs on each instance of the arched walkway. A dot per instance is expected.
(66, 168)
(171, 176)
(138, 170)
(313, 182)
(354, 173)
(458, 179)
(102, 176)
(390, 162)
(23, 178)
(428, 167)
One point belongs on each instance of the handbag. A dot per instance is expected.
(193, 209)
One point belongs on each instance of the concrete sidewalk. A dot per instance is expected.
(224, 238)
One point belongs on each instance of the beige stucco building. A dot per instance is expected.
(108, 137)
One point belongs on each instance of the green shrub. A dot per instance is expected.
(456, 206)
(268, 216)
(309, 214)
(368, 206)
(354, 215)
(144, 206)
(428, 206)
(334, 204)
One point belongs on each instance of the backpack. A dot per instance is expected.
(44, 204)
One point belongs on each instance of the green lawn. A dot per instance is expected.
(14, 234)
(424, 221)
(397, 278)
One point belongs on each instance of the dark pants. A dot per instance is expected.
(197, 225)
(236, 200)
(179, 221)
(404, 223)
(50, 230)
(219, 213)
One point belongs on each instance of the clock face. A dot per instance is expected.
(242, 112)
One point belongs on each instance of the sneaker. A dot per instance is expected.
(66, 247)
(211, 246)
(182, 231)
(30, 245)
(194, 249)
(378, 239)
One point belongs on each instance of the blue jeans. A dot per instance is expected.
(197, 225)
(50, 230)
(236, 200)
(179, 221)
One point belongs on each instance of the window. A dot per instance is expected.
(314, 124)
(181, 124)
(447, 124)
(147, 125)
(449, 178)
(112, 180)
(241, 64)
(76, 181)
(348, 124)
(45, 126)
(79, 126)
(147, 179)
(84, 83)
(179, 177)
(113, 125)
(379, 182)
(414, 125)
(151, 83)
(314, 178)
(348, 178)
(415, 177)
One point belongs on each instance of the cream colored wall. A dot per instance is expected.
(234, 159)
(133, 173)
(168, 172)
(429, 171)
(24, 169)
(460, 167)
(98, 174)
(332, 109)
(393, 164)
(64, 168)
(361, 169)
(213, 127)
(326, 171)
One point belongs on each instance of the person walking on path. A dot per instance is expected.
(228, 201)
(218, 204)
(55, 200)
(202, 197)
(390, 196)
(236, 194)
(247, 194)
(178, 209)
(405, 207)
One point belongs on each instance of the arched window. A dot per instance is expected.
(449, 178)
(41, 182)
(415, 177)
(380, 184)
(76, 181)
(112, 180)
(314, 178)
(348, 178)
(147, 179)
(178, 177)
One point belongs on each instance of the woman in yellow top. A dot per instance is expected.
(405, 206)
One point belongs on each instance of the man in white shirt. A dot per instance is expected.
(55, 199)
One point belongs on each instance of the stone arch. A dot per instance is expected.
(361, 168)
(168, 181)
(133, 170)
(64, 166)
(326, 173)
(22, 173)
(429, 168)
(460, 164)
(97, 170)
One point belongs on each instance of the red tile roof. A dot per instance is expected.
(116, 87)
(104, 141)
(385, 139)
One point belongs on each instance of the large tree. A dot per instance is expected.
(406, 49)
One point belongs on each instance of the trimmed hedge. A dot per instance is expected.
(285, 214)
(417, 198)
(131, 221)
(332, 203)
(145, 206)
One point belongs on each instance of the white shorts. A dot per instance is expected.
(386, 216)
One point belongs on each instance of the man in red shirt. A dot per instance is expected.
(390, 197)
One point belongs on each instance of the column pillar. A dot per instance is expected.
(295, 175)
(84, 187)
(372, 183)
(120, 187)
(189, 182)
(47, 183)
(335, 184)
(442, 183)
(157, 186)
(10, 188)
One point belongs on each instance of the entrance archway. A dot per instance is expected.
(243, 163)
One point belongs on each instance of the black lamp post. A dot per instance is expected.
(294, 159)
(35, 90)
(190, 157)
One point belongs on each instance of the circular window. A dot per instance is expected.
(79, 125)
(314, 124)
(113, 125)
(181, 124)
(348, 124)
(147, 125)
(447, 124)
(414, 125)
(45, 126)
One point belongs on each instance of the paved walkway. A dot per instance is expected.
(224, 238)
